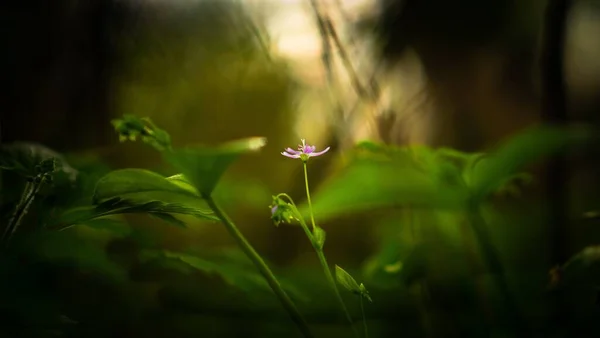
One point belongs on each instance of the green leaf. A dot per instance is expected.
(116, 206)
(492, 171)
(204, 166)
(319, 237)
(181, 181)
(367, 184)
(131, 127)
(346, 280)
(131, 183)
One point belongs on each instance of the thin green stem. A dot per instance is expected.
(492, 259)
(262, 267)
(30, 192)
(321, 254)
(362, 310)
(312, 217)
(333, 285)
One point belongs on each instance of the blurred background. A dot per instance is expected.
(463, 74)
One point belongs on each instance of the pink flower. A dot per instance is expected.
(304, 151)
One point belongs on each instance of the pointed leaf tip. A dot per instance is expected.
(346, 280)
(204, 166)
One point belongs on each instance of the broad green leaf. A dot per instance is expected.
(366, 185)
(132, 183)
(493, 171)
(346, 280)
(204, 166)
(320, 235)
(181, 181)
(116, 206)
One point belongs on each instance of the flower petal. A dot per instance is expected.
(292, 151)
(320, 152)
(290, 155)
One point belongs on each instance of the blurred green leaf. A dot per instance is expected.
(236, 191)
(493, 171)
(113, 226)
(131, 127)
(235, 269)
(24, 157)
(368, 184)
(346, 280)
(204, 166)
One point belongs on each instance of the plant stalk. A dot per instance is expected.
(362, 310)
(312, 215)
(29, 193)
(493, 261)
(321, 255)
(262, 267)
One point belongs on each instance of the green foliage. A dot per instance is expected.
(129, 191)
(368, 184)
(240, 192)
(26, 158)
(231, 265)
(131, 127)
(383, 267)
(183, 183)
(444, 179)
(204, 166)
(350, 284)
(346, 280)
(582, 267)
(116, 206)
(319, 237)
(138, 184)
(282, 211)
(492, 172)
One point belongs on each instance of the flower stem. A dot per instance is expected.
(321, 254)
(362, 310)
(285, 300)
(333, 285)
(312, 217)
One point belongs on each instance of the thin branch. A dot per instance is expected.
(326, 51)
(358, 87)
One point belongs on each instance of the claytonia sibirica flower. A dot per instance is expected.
(304, 151)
